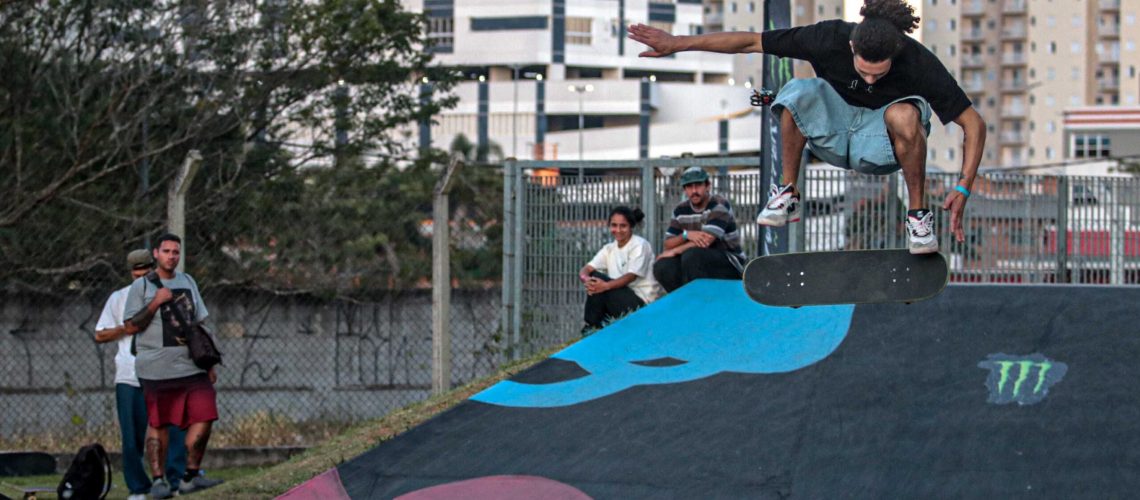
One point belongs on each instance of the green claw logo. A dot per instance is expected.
(1024, 380)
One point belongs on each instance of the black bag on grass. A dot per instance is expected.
(89, 475)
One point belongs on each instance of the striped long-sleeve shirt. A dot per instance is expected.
(716, 219)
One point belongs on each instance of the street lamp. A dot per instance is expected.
(515, 114)
(581, 90)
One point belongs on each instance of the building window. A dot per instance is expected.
(751, 6)
(732, 7)
(578, 30)
(1049, 153)
(1090, 146)
(953, 24)
(441, 33)
(1052, 47)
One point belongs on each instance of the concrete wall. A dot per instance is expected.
(298, 356)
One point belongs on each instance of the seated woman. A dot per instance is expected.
(629, 261)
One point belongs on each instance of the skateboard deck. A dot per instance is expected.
(845, 277)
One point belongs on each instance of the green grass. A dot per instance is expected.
(10, 486)
(356, 440)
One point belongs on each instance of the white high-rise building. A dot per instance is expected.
(576, 54)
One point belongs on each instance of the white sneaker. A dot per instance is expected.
(783, 207)
(920, 229)
(137, 496)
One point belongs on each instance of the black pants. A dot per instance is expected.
(610, 304)
(695, 263)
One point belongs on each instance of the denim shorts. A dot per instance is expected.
(838, 133)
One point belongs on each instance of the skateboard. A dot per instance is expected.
(845, 277)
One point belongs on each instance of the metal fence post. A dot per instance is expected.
(441, 280)
(797, 237)
(518, 264)
(1062, 234)
(1116, 234)
(893, 210)
(176, 199)
(508, 298)
(649, 199)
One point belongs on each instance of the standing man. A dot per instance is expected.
(868, 110)
(129, 401)
(702, 240)
(177, 392)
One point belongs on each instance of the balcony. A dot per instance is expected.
(973, 61)
(1016, 112)
(1012, 137)
(1018, 6)
(972, 35)
(1013, 59)
(973, 8)
(1109, 31)
(1014, 86)
(1112, 57)
(1109, 4)
(974, 87)
(1108, 84)
(1014, 32)
(715, 18)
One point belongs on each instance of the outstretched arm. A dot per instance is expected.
(974, 128)
(662, 43)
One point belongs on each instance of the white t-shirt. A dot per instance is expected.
(112, 317)
(635, 257)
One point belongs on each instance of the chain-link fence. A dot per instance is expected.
(1019, 228)
(320, 287)
(323, 312)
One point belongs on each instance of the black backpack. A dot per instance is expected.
(89, 475)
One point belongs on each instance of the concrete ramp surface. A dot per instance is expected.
(979, 392)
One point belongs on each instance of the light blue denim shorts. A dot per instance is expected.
(838, 133)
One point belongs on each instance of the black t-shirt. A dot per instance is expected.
(914, 71)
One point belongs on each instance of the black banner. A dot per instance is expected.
(775, 73)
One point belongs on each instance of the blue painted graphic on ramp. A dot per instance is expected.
(711, 325)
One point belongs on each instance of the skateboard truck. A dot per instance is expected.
(762, 97)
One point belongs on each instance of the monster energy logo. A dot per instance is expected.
(1021, 379)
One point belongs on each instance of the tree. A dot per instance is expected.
(102, 99)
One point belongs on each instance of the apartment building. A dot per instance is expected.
(1024, 62)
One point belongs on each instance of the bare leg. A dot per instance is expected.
(794, 143)
(197, 436)
(156, 443)
(909, 141)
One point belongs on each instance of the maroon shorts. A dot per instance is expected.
(180, 401)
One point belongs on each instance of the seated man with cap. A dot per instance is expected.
(702, 240)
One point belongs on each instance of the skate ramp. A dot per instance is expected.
(981, 391)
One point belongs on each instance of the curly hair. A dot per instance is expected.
(632, 216)
(881, 34)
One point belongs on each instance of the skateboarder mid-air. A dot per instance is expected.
(868, 110)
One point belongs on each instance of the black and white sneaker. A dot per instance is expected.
(920, 230)
(783, 207)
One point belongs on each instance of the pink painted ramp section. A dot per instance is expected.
(499, 488)
(326, 486)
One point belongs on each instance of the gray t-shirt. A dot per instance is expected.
(162, 354)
